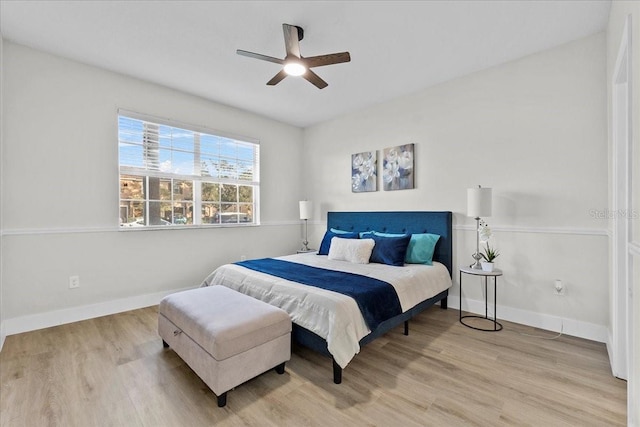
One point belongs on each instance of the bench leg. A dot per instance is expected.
(222, 400)
(280, 368)
(337, 372)
(164, 344)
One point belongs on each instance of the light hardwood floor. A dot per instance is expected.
(113, 371)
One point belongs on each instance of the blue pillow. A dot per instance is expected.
(390, 250)
(338, 231)
(377, 233)
(421, 248)
(326, 240)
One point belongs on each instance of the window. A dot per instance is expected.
(182, 176)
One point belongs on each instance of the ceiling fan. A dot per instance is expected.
(294, 64)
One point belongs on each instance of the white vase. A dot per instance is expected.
(487, 266)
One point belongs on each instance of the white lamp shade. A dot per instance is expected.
(478, 202)
(306, 207)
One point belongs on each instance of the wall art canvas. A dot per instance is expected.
(364, 175)
(397, 168)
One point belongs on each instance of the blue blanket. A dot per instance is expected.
(378, 300)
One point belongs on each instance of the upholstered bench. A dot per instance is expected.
(226, 337)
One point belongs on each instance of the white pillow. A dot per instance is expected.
(357, 251)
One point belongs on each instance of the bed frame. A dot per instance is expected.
(388, 222)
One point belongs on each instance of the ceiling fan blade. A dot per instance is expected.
(329, 59)
(315, 79)
(277, 78)
(259, 56)
(291, 40)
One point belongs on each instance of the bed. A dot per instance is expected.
(332, 323)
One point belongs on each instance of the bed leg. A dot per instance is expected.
(337, 372)
(280, 368)
(406, 327)
(443, 303)
(164, 344)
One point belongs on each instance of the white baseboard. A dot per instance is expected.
(572, 327)
(2, 335)
(33, 322)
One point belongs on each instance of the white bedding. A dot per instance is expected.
(333, 316)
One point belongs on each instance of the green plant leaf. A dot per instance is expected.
(489, 253)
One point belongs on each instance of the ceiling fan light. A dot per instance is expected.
(294, 68)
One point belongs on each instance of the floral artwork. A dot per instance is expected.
(397, 172)
(484, 231)
(363, 172)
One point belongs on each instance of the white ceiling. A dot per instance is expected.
(396, 47)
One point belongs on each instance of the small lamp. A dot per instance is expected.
(305, 213)
(478, 205)
(294, 67)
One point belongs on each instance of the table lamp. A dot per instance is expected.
(305, 213)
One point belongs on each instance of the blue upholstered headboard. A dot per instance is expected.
(401, 222)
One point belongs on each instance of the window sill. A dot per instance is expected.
(183, 227)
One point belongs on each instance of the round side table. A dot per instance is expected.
(486, 274)
(306, 251)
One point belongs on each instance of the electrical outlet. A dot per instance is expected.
(74, 282)
(243, 257)
(559, 288)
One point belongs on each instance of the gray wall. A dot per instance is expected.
(535, 131)
(60, 186)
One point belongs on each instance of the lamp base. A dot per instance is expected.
(476, 265)
(305, 242)
(477, 256)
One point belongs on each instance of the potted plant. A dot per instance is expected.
(489, 255)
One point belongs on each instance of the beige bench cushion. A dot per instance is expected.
(224, 322)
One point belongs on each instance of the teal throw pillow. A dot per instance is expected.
(421, 248)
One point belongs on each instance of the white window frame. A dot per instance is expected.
(196, 178)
